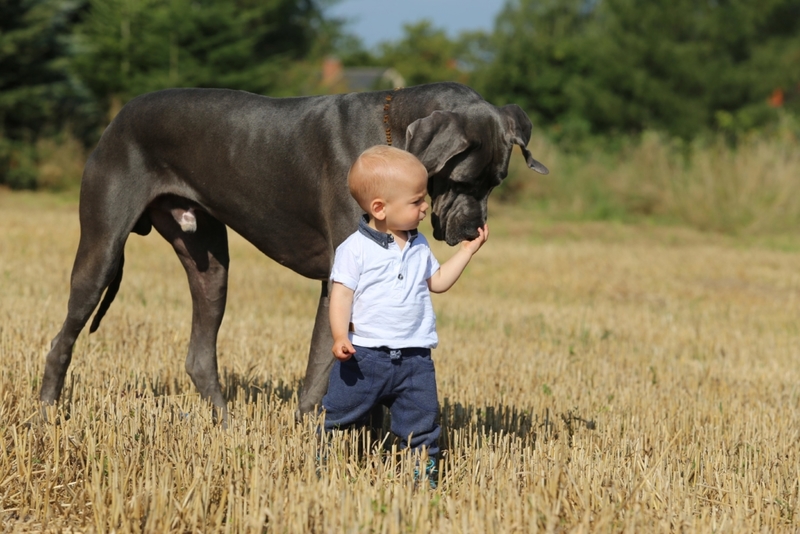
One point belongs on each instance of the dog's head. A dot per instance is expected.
(466, 153)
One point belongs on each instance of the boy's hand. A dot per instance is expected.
(342, 349)
(449, 271)
(473, 246)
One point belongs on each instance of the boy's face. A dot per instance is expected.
(405, 205)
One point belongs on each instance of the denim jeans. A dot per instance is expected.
(403, 380)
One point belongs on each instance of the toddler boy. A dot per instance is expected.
(381, 313)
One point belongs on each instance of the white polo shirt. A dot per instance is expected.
(391, 302)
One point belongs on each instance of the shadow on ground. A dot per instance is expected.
(482, 423)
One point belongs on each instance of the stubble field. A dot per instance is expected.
(592, 378)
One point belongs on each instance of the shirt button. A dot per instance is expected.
(400, 276)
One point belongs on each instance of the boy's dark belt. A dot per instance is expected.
(396, 354)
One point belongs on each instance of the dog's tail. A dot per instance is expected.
(108, 298)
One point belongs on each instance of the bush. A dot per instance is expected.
(53, 163)
(17, 166)
(710, 183)
(60, 163)
(22, 177)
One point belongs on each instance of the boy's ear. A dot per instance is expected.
(377, 209)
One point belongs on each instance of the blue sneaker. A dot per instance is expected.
(430, 473)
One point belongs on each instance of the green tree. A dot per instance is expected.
(757, 47)
(537, 58)
(424, 54)
(626, 65)
(650, 66)
(36, 91)
(38, 97)
(696, 62)
(128, 47)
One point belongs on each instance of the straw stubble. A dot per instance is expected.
(587, 384)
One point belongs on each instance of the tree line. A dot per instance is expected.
(582, 69)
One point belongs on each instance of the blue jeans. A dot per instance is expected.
(403, 380)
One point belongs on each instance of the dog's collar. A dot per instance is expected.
(386, 106)
(386, 118)
(379, 237)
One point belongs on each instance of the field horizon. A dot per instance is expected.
(593, 377)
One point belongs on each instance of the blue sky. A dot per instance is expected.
(380, 20)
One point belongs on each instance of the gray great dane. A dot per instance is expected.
(191, 162)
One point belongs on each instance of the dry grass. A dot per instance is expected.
(592, 378)
(753, 189)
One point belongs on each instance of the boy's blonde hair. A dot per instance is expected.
(372, 174)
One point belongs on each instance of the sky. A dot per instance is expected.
(381, 20)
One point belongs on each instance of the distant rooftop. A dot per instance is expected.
(359, 78)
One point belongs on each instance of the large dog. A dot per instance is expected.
(190, 162)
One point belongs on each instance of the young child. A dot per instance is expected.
(381, 313)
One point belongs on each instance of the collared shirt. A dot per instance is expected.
(391, 301)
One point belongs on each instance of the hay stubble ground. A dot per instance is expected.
(592, 378)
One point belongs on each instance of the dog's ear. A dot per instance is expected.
(436, 138)
(519, 129)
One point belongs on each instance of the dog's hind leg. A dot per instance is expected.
(204, 255)
(97, 263)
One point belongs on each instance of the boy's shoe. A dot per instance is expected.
(429, 473)
(321, 465)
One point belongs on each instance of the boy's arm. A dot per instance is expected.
(340, 306)
(449, 271)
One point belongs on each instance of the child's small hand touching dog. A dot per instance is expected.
(474, 246)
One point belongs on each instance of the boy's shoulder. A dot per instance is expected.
(352, 239)
(421, 240)
(352, 246)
